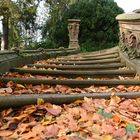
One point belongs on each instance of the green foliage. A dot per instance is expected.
(19, 16)
(9, 13)
(91, 45)
(28, 11)
(104, 114)
(131, 128)
(98, 26)
(46, 44)
(43, 44)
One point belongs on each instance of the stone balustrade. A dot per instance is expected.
(129, 25)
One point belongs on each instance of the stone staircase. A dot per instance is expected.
(64, 79)
(101, 65)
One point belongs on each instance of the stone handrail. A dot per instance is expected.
(129, 25)
(15, 58)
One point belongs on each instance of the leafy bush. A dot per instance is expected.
(98, 27)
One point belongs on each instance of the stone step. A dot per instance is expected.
(72, 73)
(91, 54)
(16, 101)
(71, 82)
(113, 60)
(90, 58)
(79, 67)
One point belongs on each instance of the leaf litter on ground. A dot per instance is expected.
(88, 119)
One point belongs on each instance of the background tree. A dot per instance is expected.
(56, 9)
(98, 26)
(18, 21)
(27, 21)
(9, 15)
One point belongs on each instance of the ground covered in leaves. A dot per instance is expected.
(16, 89)
(90, 119)
(12, 88)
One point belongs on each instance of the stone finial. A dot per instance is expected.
(73, 28)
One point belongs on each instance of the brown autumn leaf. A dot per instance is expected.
(23, 91)
(6, 90)
(125, 104)
(5, 133)
(119, 132)
(107, 128)
(91, 89)
(10, 84)
(25, 67)
(2, 91)
(121, 78)
(48, 90)
(51, 130)
(28, 135)
(116, 119)
(26, 127)
(114, 100)
(38, 129)
(5, 113)
(86, 119)
(61, 88)
(55, 110)
(136, 89)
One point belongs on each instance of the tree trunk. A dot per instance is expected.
(5, 35)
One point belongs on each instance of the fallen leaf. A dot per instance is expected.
(104, 114)
(12, 126)
(40, 101)
(119, 132)
(108, 137)
(6, 90)
(131, 128)
(27, 136)
(114, 100)
(20, 86)
(10, 84)
(54, 111)
(51, 130)
(116, 119)
(107, 128)
(78, 102)
(37, 129)
(5, 133)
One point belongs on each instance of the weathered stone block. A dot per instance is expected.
(73, 28)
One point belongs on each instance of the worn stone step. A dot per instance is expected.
(113, 60)
(90, 58)
(79, 67)
(71, 82)
(59, 99)
(91, 54)
(72, 73)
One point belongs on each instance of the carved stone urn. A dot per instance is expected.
(73, 28)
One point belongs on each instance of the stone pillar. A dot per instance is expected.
(73, 28)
